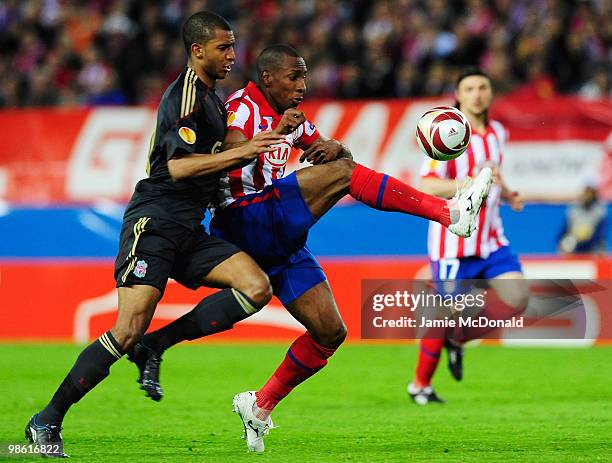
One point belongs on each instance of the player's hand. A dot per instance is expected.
(494, 170)
(291, 120)
(515, 201)
(496, 175)
(322, 151)
(262, 143)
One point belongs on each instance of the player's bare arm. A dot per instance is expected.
(291, 120)
(512, 197)
(325, 150)
(322, 150)
(195, 165)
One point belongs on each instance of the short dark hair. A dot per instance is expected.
(200, 28)
(470, 71)
(467, 72)
(271, 58)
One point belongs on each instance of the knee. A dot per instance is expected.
(518, 299)
(332, 335)
(258, 290)
(127, 337)
(344, 167)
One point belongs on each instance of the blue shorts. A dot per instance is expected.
(272, 227)
(470, 268)
(467, 269)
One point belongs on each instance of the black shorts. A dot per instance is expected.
(152, 250)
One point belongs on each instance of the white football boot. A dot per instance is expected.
(423, 395)
(469, 200)
(254, 429)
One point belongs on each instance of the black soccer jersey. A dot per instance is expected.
(190, 119)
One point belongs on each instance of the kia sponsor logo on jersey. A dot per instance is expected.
(279, 156)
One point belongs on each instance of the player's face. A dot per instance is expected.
(217, 55)
(287, 84)
(474, 94)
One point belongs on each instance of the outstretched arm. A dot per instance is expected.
(195, 165)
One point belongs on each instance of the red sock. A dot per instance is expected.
(386, 193)
(429, 356)
(304, 358)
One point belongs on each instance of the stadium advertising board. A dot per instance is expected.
(101, 153)
(84, 302)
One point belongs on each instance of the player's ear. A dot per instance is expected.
(197, 51)
(266, 78)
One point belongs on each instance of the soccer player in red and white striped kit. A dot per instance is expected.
(486, 254)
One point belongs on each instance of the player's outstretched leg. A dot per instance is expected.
(248, 291)
(324, 185)
(136, 307)
(317, 311)
(420, 390)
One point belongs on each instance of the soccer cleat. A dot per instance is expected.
(46, 437)
(148, 363)
(254, 429)
(423, 395)
(455, 359)
(470, 199)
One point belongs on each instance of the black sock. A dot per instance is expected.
(213, 314)
(91, 367)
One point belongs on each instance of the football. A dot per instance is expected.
(443, 133)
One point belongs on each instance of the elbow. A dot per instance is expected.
(175, 170)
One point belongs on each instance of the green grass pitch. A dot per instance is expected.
(515, 404)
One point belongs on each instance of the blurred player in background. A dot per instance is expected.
(162, 235)
(584, 230)
(484, 255)
(269, 216)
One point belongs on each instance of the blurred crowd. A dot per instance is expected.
(92, 52)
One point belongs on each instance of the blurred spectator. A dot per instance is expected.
(350, 81)
(407, 83)
(435, 82)
(584, 228)
(90, 50)
(600, 85)
(538, 85)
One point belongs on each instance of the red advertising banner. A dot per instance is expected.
(76, 300)
(79, 155)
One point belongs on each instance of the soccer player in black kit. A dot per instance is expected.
(162, 235)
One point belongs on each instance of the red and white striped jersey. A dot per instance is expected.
(249, 112)
(484, 149)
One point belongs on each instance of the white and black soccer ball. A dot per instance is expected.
(443, 133)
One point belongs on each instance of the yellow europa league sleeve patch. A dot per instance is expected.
(187, 135)
(231, 117)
